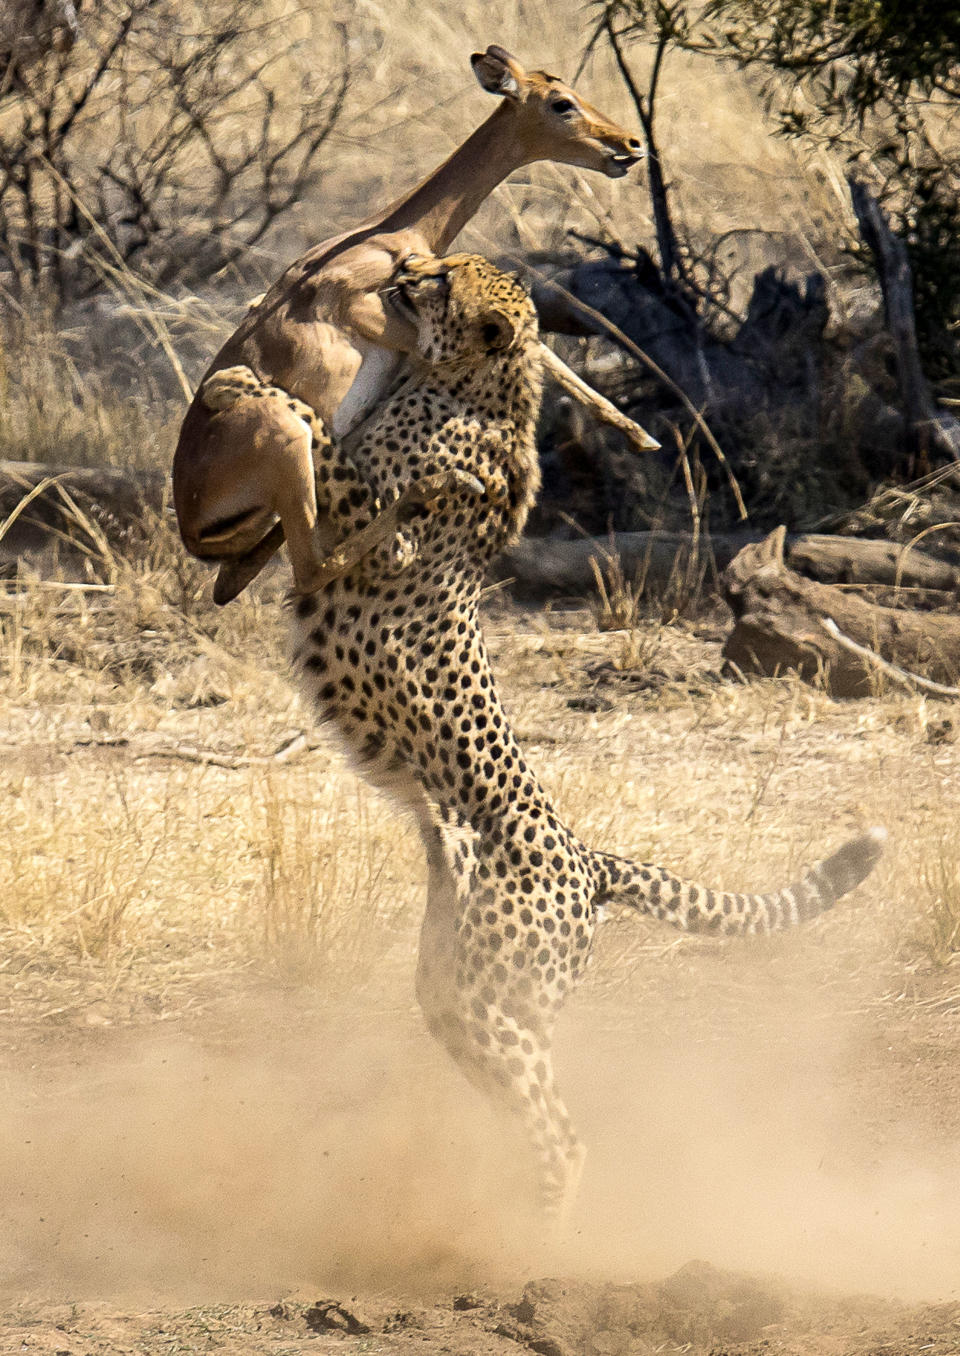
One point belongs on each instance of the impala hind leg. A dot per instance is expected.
(250, 462)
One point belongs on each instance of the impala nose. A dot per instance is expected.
(634, 147)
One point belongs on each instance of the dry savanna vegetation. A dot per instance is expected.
(222, 1121)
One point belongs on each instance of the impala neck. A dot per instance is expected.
(440, 206)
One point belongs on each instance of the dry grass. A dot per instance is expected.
(618, 600)
(138, 863)
(938, 934)
(53, 408)
(149, 832)
(157, 836)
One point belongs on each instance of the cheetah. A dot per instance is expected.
(399, 667)
(332, 467)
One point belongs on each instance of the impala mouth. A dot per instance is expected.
(619, 162)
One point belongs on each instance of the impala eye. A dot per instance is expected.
(563, 106)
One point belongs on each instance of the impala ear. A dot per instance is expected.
(499, 72)
(499, 331)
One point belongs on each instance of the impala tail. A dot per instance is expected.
(696, 909)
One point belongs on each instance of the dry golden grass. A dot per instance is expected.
(150, 823)
(162, 831)
(51, 411)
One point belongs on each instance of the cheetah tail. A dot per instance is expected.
(696, 909)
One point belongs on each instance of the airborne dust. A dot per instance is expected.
(734, 1112)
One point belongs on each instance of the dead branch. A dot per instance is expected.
(780, 626)
(933, 428)
(298, 746)
(911, 680)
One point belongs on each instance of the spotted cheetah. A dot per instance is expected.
(399, 667)
(335, 470)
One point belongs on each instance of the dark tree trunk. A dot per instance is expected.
(931, 428)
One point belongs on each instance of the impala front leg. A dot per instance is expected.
(598, 405)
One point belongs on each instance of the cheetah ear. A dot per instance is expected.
(499, 331)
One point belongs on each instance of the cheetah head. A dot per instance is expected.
(466, 310)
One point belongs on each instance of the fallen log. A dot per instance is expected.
(121, 501)
(781, 625)
(542, 567)
(856, 560)
(41, 503)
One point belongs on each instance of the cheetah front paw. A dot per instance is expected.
(401, 553)
(227, 386)
(429, 493)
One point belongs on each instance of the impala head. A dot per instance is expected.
(556, 121)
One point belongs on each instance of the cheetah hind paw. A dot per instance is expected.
(401, 553)
(428, 494)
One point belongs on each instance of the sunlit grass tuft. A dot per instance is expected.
(938, 932)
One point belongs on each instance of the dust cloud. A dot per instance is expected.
(768, 1159)
(174, 1168)
(341, 1153)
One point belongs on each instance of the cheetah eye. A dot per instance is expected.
(563, 106)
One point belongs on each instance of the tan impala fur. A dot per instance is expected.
(323, 335)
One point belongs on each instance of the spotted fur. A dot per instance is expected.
(399, 667)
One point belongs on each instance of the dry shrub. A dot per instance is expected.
(616, 606)
(214, 123)
(318, 910)
(621, 601)
(938, 934)
(54, 409)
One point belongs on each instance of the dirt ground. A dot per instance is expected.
(223, 1155)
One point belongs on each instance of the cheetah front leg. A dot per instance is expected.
(427, 493)
(347, 494)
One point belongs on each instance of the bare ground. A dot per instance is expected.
(208, 1141)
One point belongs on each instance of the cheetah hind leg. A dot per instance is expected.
(507, 1061)
(427, 493)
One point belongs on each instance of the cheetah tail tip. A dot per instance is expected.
(853, 862)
